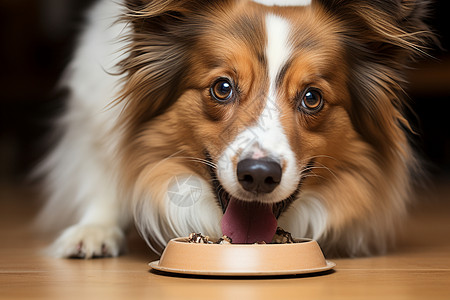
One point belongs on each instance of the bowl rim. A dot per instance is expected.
(155, 265)
(298, 241)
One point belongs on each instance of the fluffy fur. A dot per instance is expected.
(141, 117)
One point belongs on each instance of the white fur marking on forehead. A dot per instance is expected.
(267, 137)
(284, 2)
(278, 48)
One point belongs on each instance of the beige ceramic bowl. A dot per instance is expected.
(302, 257)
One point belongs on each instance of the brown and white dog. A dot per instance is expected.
(235, 117)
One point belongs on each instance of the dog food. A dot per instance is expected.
(198, 238)
(224, 240)
(281, 237)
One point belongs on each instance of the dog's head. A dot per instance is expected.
(265, 106)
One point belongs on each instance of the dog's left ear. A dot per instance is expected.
(391, 27)
(380, 37)
(396, 8)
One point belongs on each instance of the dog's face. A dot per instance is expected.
(270, 100)
(275, 102)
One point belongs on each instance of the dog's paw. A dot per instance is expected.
(89, 241)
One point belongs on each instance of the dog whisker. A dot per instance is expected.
(321, 156)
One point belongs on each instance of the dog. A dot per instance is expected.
(234, 117)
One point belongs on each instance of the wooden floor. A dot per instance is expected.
(418, 269)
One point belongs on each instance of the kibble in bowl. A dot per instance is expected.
(198, 238)
(281, 237)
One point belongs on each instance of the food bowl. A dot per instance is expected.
(302, 257)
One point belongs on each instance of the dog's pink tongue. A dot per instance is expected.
(248, 222)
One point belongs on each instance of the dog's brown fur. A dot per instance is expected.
(359, 48)
(353, 155)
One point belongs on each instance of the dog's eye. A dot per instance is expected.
(312, 100)
(222, 90)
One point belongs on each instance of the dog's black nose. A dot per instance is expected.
(259, 175)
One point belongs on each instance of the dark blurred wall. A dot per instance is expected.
(430, 94)
(36, 41)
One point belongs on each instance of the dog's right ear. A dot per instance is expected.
(161, 33)
(157, 14)
(157, 7)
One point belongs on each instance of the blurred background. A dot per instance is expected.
(37, 38)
